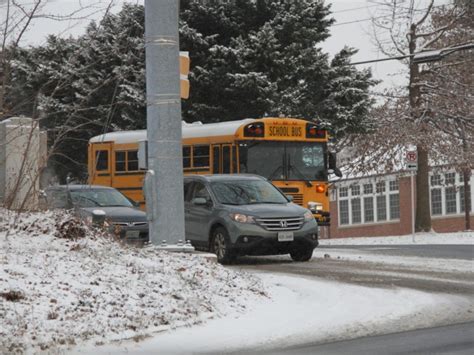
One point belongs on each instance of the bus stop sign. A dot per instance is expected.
(411, 160)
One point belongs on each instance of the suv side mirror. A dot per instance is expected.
(199, 201)
(289, 197)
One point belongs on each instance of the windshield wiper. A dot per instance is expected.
(275, 172)
(299, 173)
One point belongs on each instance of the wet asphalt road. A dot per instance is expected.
(378, 274)
(450, 339)
(460, 252)
(453, 339)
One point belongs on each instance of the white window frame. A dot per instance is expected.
(443, 186)
(348, 187)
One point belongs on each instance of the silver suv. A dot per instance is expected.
(233, 215)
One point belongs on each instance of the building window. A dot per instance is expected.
(436, 203)
(381, 208)
(450, 200)
(343, 212)
(368, 189)
(343, 192)
(356, 210)
(368, 209)
(394, 201)
(369, 203)
(355, 190)
(447, 194)
(380, 187)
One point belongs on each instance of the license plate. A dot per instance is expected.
(132, 234)
(285, 236)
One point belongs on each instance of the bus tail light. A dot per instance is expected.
(254, 130)
(315, 131)
(320, 188)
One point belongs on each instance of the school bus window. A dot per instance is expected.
(186, 156)
(200, 155)
(132, 160)
(120, 161)
(226, 159)
(234, 159)
(102, 160)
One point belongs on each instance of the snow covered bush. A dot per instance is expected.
(56, 292)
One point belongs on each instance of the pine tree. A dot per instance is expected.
(248, 59)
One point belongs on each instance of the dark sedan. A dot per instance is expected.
(126, 219)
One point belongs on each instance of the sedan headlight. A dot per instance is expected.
(242, 218)
(308, 216)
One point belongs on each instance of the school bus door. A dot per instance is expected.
(101, 173)
(222, 159)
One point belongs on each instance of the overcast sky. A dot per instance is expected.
(352, 27)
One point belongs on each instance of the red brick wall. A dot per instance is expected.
(401, 227)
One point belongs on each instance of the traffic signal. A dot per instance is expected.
(184, 65)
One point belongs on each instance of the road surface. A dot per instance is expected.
(444, 269)
(453, 339)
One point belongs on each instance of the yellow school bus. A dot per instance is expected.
(291, 153)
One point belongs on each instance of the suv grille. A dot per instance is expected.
(281, 224)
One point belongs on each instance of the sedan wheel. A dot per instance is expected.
(220, 246)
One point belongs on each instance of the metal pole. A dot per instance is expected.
(165, 201)
(413, 206)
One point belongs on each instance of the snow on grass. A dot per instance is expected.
(57, 292)
(421, 263)
(301, 310)
(417, 238)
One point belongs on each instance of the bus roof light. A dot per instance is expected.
(315, 131)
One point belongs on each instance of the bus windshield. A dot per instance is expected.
(284, 160)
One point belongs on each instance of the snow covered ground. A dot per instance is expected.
(59, 292)
(300, 310)
(359, 254)
(92, 295)
(417, 238)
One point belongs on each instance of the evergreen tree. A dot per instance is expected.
(248, 59)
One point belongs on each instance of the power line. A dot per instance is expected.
(353, 9)
(379, 17)
(427, 56)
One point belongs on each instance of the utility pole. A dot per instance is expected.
(164, 181)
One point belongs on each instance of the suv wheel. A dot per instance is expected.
(301, 254)
(220, 246)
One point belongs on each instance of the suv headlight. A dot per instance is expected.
(308, 216)
(242, 218)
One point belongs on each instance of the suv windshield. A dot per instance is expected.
(245, 192)
(99, 197)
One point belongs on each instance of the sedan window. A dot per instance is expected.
(99, 197)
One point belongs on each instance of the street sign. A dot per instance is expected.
(411, 160)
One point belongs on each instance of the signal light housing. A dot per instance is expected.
(315, 131)
(254, 130)
(320, 188)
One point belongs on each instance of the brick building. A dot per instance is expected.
(382, 205)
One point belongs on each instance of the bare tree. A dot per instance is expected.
(401, 29)
(19, 16)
